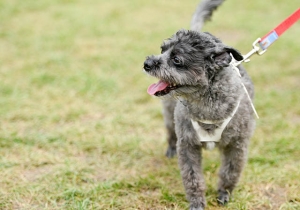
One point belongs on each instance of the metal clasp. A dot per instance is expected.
(256, 50)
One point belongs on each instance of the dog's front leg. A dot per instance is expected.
(233, 160)
(189, 157)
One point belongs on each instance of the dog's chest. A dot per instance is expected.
(210, 132)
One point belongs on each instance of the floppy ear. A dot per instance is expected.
(222, 58)
(236, 54)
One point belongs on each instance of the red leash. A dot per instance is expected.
(264, 43)
(273, 35)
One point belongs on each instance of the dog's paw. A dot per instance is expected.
(201, 207)
(171, 152)
(197, 203)
(223, 198)
(196, 208)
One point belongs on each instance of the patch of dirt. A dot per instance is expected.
(295, 119)
(275, 195)
(34, 174)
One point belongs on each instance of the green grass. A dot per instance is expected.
(78, 130)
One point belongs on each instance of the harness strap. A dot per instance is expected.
(204, 136)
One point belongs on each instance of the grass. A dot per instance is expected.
(78, 130)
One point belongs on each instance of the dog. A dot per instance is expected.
(204, 104)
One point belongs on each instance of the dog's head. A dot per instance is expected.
(188, 61)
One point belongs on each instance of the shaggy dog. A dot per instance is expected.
(204, 104)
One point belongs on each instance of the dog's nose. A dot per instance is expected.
(150, 63)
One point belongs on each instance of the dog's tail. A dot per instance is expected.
(204, 12)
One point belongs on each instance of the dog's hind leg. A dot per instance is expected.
(233, 161)
(168, 111)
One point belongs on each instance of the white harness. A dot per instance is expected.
(208, 138)
(211, 139)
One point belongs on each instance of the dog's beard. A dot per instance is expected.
(169, 86)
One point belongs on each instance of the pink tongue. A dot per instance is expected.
(152, 89)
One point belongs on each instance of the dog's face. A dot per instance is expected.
(187, 63)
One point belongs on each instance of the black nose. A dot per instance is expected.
(150, 63)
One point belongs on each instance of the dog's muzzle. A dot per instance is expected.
(150, 63)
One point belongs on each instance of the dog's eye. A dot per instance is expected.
(176, 61)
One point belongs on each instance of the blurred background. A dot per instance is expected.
(79, 131)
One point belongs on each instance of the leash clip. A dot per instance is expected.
(271, 37)
(256, 50)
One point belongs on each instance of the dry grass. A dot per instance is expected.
(78, 130)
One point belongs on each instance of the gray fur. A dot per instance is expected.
(168, 111)
(207, 89)
(204, 12)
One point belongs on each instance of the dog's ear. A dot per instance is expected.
(221, 57)
(236, 54)
(221, 60)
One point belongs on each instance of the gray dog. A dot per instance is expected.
(204, 104)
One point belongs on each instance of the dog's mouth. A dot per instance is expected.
(161, 88)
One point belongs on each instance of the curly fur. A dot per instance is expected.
(208, 89)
